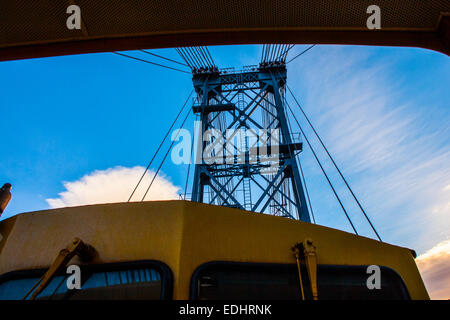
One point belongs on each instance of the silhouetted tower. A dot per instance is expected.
(246, 154)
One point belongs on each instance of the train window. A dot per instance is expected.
(224, 280)
(136, 281)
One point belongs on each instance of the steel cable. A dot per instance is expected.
(335, 165)
(160, 145)
(165, 156)
(323, 171)
(304, 51)
(168, 59)
(154, 63)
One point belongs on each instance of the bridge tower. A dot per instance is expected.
(245, 151)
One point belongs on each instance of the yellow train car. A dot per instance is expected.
(187, 250)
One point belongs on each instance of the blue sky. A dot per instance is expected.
(384, 113)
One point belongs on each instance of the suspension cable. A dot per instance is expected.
(195, 57)
(335, 165)
(277, 51)
(306, 190)
(154, 63)
(267, 51)
(201, 53)
(183, 56)
(210, 56)
(284, 52)
(160, 145)
(264, 53)
(188, 54)
(165, 156)
(274, 49)
(284, 97)
(304, 51)
(205, 53)
(168, 59)
(287, 51)
(323, 170)
(188, 58)
(301, 171)
(189, 168)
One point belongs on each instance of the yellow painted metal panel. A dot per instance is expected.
(184, 235)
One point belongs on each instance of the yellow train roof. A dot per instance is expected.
(184, 235)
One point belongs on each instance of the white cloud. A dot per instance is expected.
(113, 185)
(396, 160)
(434, 265)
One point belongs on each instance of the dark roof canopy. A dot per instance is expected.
(37, 28)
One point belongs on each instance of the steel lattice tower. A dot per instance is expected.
(246, 110)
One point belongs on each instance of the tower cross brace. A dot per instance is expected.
(246, 154)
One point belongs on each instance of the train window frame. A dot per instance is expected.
(193, 288)
(159, 266)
